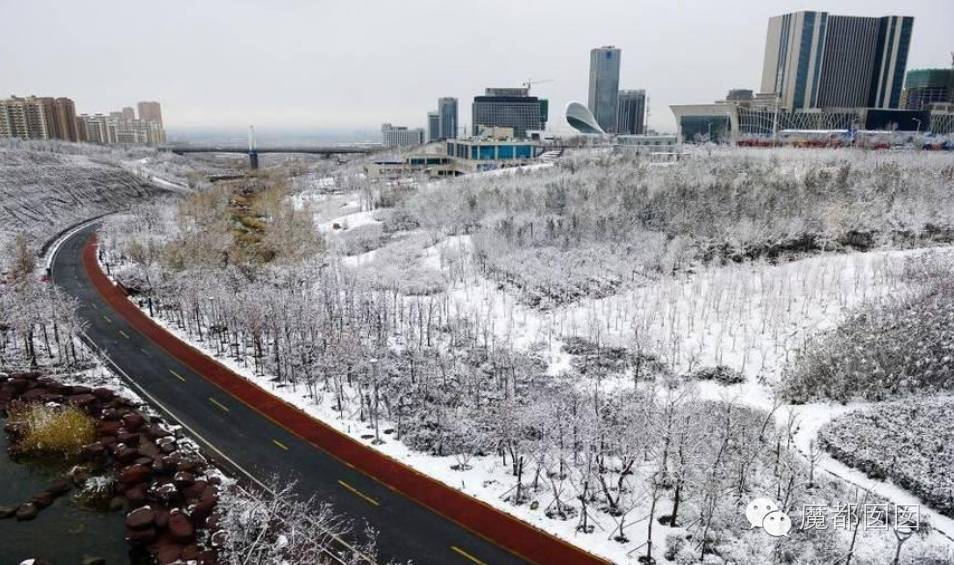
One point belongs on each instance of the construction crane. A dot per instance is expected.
(530, 82)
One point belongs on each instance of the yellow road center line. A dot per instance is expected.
(358, 493)
(217, 403)
(280, 444)
(177, 375)
(122, 333)
(466, 555)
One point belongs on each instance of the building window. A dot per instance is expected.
(486, 152)
(505, 152)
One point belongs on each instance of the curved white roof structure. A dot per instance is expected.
(581, 119)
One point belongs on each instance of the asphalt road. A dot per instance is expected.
(407, 530)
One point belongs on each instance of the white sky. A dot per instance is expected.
(355, 64)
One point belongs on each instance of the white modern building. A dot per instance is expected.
(582, 120)
(401, 136)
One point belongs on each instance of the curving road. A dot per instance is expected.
(256, 445)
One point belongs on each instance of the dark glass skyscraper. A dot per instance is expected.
(508, 108)
(433, 126)
(632, 112)
(604, 86)
(817, 60)
(447, 111)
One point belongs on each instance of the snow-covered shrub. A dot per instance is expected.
(360, 239)
(720, 373)
(884, 351)
(910, 442)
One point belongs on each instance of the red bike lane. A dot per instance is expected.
(500, 528)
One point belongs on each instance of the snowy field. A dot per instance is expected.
(647, 339)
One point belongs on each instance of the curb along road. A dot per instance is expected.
(480, 518)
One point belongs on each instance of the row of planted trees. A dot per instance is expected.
(38, 321)
(621, 461)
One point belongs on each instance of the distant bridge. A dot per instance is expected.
(252, 151)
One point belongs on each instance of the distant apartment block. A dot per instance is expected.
(113, 129)
(817, 60)
(35, 117)
(401, 136)
(631, 115)
(150, 112)
(55, 118)
(604, 86)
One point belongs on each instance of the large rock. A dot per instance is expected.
(133, 421)
(183, 479)
(162, 518)
(144, 536)
(180, 528)
(82, 400)
(95, 449)
(59, 487)
(141, 518)
(108, 427)
(129, 438)
(148, 449)
(18, 385)
(134, 474)
(168, 553)
(155, 432)
(103, 393)
(42, 500)
(33, 395)
(27, 511)
(195, 490)
(136, 495)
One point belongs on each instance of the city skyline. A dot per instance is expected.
(312, 74)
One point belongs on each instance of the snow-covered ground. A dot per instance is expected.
(749, 317)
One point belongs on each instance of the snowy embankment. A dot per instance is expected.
(42, 193)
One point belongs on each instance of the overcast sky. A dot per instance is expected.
(355, 64)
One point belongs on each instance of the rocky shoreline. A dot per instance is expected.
(168, 490)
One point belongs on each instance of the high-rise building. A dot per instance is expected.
(64, 119)
(631, 116)
(150, 112)
(508, 108)
(401, 136)
(447, 109)
(923, 87)
(604, 86)
(433, 126)
(128, 113)
(111, 129)
(817, 60)
(38, 118)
